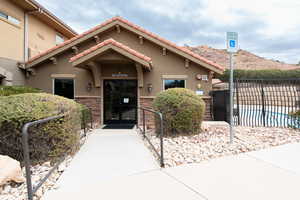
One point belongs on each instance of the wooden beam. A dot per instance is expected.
(118, 28)
(96, 71)
(141, 39)
(140, 74)
(164, 50)
(75, 50)
(211, 75)
(97, 39)
(54, 60)
(187, 63)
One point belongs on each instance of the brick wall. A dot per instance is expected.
(94, 103)
(208, 109)
(149, 117)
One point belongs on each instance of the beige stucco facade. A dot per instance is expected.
(26, 31)
(12, 35)
(95, 68)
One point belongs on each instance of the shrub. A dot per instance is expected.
(47, 142)
(13, 90)
(85, 115)
(296, 119)
(260, 74)
(182, 110)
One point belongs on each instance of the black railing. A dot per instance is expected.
(31, 190)
(267, 102)
(160, 154)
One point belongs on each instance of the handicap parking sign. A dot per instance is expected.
(232, 41)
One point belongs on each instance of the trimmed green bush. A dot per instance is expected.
(13, 90)
(85, 115)
(260, 74)
(48, 141)
(182, 110)
(296, 116)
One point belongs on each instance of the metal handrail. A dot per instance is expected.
(30, 189)
(161, 154)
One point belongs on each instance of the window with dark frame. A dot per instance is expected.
(174, 84)
(64, 87)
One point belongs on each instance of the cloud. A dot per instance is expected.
(269, 27)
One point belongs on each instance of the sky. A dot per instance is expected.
(269, 28)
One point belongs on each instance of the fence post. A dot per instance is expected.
(263, 103)
(162, 164)
(237, 100)
(27, 161)
(144, 124)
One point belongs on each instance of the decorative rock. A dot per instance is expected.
(214, 142)
(10, 170)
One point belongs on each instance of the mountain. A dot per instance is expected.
(243, 59)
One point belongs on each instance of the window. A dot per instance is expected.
(174, 84)
(59, 39)
(64, 87)
(9, 18)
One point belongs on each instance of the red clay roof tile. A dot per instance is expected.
(185, 50)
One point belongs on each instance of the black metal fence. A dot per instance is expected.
(159, 115)
(267, 102)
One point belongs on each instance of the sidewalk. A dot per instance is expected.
(107, 154)
(128, 171)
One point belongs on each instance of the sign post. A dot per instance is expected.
(232, 47)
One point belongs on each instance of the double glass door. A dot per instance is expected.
(120, 101)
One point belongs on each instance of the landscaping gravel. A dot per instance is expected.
(14, 191)
(214, 142)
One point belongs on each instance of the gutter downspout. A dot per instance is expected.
(25, 37)
(26, 28)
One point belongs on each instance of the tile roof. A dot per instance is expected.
(116, 44)
(120, 19)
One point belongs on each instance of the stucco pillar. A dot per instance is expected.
(140, 74)
(96, 71)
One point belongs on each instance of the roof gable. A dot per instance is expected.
(131, 27)
(114, 45)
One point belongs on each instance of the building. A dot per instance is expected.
(117, 66)
(27, 29)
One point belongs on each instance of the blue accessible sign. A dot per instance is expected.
(232, 42)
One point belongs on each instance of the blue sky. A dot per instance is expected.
(269, 28)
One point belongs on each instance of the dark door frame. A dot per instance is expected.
(105, 121)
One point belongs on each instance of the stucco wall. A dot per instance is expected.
(170, 64)
(12, 36)
(13, 74)
(40, 36)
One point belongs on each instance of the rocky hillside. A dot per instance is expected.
(243, 59)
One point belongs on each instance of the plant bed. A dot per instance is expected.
(214, 142)
(14, 191)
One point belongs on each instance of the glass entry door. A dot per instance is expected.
(120, 101)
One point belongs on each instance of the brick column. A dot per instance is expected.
(208, 109)
(94, 103)
(149, 117)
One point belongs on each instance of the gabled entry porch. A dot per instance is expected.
(117, 72)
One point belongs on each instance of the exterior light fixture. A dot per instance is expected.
(89, 86)
(149, 87)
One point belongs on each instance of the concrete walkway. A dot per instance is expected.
(127, 170)
(107, 154)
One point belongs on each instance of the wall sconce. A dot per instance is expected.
(89, 86)
(199, 86)
(149, 87)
